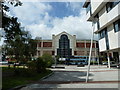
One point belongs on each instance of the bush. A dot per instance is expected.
(40, 65)
(47, 58)
(37, 65)
(31, 65)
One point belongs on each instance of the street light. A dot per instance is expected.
(87, 77)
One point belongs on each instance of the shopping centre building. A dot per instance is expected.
(65, 45)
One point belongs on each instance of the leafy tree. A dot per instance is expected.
(18, 41)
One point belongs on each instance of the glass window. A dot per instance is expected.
(102, 34)
(110, 5)
(88, 8)
(97, 21)
(64, 47)
(117, 26)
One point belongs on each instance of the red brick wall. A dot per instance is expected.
(39, 45)
(81, 45)
(47, 44)
(88, 45)
(93, 45)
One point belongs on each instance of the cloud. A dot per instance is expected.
(31, 12)
(73, 25)
(74, 6)
(36, 19)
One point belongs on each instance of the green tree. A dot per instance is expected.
(18, 41)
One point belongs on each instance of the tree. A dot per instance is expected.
(19, 44)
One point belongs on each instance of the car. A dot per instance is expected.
(118, 66)
(72, 63)
(115, 65)
(105, 63)
(3, 62)
(17, 64)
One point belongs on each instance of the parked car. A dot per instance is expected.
(3, 62)
(17, 64)
(117, 65)
(105, 63)
(72, 63)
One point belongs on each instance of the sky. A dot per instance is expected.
(43, 19)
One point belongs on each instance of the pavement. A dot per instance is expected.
(74, 77)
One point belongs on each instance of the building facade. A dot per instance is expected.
(105, 17)
(65, 45)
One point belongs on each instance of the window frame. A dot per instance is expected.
(111, 5)
(115, 23)
(102, 33)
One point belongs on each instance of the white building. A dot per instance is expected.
(66, 45)
(105, 17)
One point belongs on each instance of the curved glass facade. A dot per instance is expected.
(64, 50)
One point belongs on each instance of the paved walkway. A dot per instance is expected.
(74, 77)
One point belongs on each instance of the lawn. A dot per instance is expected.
(10, 79)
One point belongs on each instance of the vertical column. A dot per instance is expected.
(108, 57)
(37, 48)
(85, 49)
(119, 56)
(41, 47)
(95, 49)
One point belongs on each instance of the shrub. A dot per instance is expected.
(40, 65)
(47, 58)
(31, 65)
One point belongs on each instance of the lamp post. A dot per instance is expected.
(87, 77)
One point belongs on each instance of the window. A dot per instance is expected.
(64, 50)
(117, 25)
(47, 44)
(88, 8)
(81, 45)
(102, 34)
(106, 39)
(111, 5)
(97, 21)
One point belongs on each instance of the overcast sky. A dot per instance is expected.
(43, 19)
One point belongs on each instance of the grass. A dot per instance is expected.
(11, 81)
